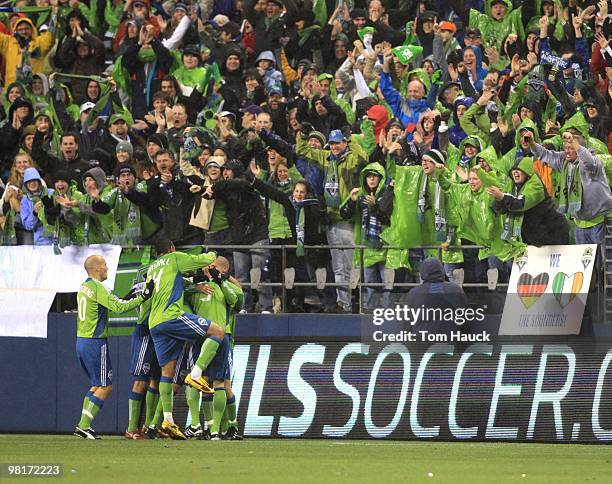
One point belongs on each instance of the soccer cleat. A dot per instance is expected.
(173, 430)
(152, 432)
(205, 435)
(215, 436)
(199, 384)
(232, 434)
(136, 435)
(192, 432)
(84, 433)
(93, 432)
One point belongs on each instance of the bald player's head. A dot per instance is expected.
(96, 268)
(222, 264)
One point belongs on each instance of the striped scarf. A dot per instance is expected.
(370, 226)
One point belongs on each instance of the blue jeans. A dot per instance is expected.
(243, 262)
(376, 297)
(341, 233)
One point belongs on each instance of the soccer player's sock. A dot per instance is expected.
(151, 405)
(207, 353)
(86, 399)
(158, 414)
(219, 401)
(207, 408)
(135, 402)
(193, 402)
(167, 397)
(224, 424)
(90, 410)
(230, 412)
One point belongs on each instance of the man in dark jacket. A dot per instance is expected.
(268, 25)
(248, 226)
(323, 113)
(118, 130)
(168, 200)
(436, 296)
(69, 160)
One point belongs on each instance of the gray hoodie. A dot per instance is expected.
(596, 194)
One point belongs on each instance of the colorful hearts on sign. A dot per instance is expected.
(565, 287)
(530, 288)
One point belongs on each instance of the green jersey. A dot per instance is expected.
(211, 306)
(167, 300)
(94, 300)
(234, 300)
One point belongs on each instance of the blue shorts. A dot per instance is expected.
(169, 336)
(143, 360)
(220, 367)
(185, 362)
(93, 357)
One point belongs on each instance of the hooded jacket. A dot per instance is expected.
(362, 216)
(29, 217)
(456, 133)
(435, 292)
(542, 224)
(38, 47)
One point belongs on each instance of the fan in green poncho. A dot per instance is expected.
(493, 174)
(578, 124)
(499, 20)
(326, 81)
(364, 206)
(59, 215)
(547, 8)
(421, 214)
(125, 222)
(94, 183)
(187, 71)
(462, 159)
(478, 223)
(520, 147)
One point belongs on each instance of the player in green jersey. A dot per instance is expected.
(220, 297)
(171, 326)
(94, 300)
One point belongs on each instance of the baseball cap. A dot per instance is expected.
(224, 114)
(252, 109)
(118, 117)
(220, 20)
(180, 6)
(218, 161)
(473, 33)
(446, 25)
(124, 168)
(336, 136)
(86, 107)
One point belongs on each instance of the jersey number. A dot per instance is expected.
(82, 306)
(156, 276)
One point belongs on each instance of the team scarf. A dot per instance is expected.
(513, 223)
(439, 207)
(126, 217)
(305, 34)
(370, 226)
(300, 223)
(465, 161)
(570, 196)
(332, 185)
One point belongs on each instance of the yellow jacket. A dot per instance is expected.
(39, 47)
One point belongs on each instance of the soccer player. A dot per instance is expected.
(171, 327)
(93, 302)
(218, 297)
(146, 372)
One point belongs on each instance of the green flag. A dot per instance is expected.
(365, 31)
(319, 8)
(121, 76)
(410, 37)
(406, 53)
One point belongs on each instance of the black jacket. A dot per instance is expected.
(171, 204)
(245, 211)
(265, 38)
(314, 221)
(335, 118)
(49, 163)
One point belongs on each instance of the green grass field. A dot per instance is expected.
(113, 459)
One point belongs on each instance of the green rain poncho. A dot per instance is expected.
(414, 223)
(477, 221)
(507, 161)
(497, 175)
(127, 225)
(495, 31)
(67, 230)
(534, 193)
(374, 253)
(458, 162)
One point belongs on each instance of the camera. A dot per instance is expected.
(527, 139)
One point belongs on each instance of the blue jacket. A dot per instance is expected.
(31, 221)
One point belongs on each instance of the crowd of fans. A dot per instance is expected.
(375, 123)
